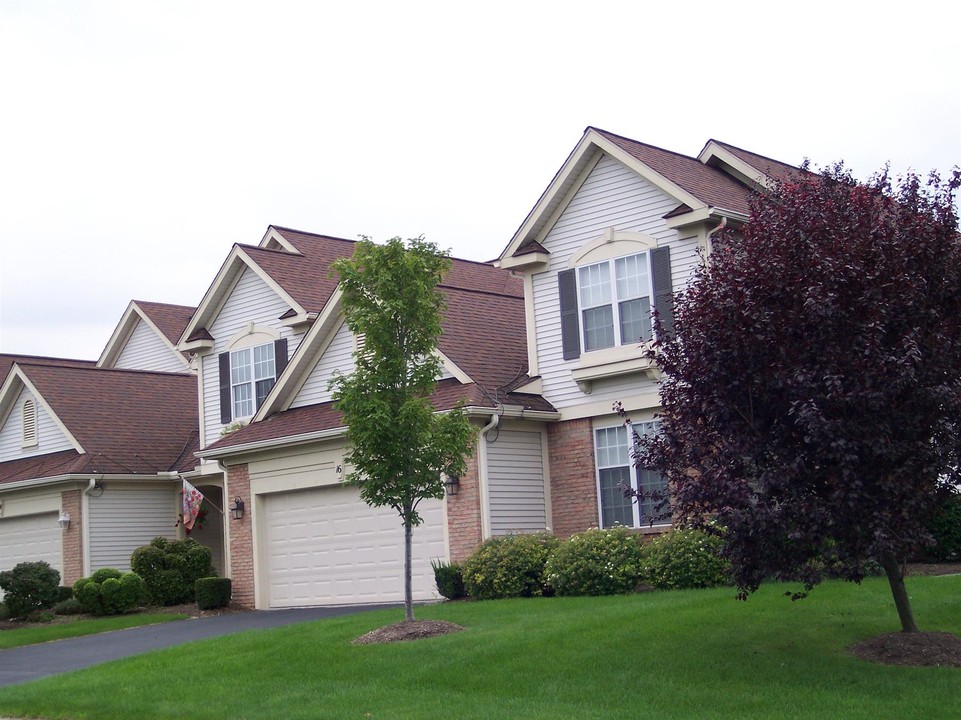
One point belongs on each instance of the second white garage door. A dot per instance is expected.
(327, 547)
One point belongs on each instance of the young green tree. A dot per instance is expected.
(399, 445)
(812, 391)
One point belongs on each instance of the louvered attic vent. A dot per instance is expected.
(29, 423)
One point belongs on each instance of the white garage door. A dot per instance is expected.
(327, 547)
(30, 538)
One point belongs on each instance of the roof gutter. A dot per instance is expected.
(514, 412)
(75, 477)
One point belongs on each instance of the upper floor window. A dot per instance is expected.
(615, 301)
(30, 437)
(247, 375)
(608, 293)
(616, 470)
(252, 375)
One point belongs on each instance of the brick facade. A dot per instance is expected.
(72, 538)
(573, 483)
(464, 529)
(241, 569)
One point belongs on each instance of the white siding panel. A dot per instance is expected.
(251, 300)
(123, 519)
(336, 357)
(50, 438)
(516, 483)
(145, 350)
(612, 196)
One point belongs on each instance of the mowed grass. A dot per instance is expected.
(694, 654)
(37, 633)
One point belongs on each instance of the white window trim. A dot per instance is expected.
(615, 301)
(252, 382)
(658, 526)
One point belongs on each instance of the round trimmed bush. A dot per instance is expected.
(110, 592)
(510, 566)
(30, 587)
(449, 578)
(597, 562)
(170, 568)
(685, 558)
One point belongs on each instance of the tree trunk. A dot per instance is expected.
(408, 590)
(902, 602)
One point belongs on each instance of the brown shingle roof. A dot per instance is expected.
(7, 361)
(169, 319)
(127, 421)
(42, 466)
(711, 186)
(782, 172)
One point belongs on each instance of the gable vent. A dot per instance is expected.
(29, 423)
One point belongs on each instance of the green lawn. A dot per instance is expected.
(38, 633)
(695, 654)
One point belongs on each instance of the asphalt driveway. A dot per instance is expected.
(36, 661)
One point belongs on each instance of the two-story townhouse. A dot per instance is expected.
(89, 452)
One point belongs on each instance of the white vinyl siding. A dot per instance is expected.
(251, 300)
(611, 196)
(145, 350)
(515, 477)
(326, 546)
(122, 519)
(337, 356)
(50, 438)
(30, 538)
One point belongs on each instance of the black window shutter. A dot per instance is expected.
(570, 330)
(225, 410)
(663, 287)
(280, 356)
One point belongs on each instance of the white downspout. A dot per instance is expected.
(482, 475)
(85, 534)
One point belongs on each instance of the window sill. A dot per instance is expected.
(613, 362)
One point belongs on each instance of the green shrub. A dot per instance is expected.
(71, 606)
(110, 592)
(449, 578)
(945, 526)
(170, 568)
(29, 586)
(64, 592)
(597, 562)
(510, 566)
(685, 558)
(4, 611)
(212, 592)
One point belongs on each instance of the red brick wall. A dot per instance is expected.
(464, 515)
(72, 537)
(573, 483)
(241, 569)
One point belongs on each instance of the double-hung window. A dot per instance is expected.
(616, 470)
(252, 375)
(615, 301)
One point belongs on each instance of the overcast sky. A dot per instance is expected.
(138, 141)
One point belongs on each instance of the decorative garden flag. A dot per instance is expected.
(192, 499)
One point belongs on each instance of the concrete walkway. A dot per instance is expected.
(36, 661)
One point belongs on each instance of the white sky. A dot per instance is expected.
(138, 140)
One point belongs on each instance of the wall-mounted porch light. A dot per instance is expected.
(452, 484)
(237, 509)
(64, 520)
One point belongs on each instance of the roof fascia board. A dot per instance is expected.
(271, 443)
(82, 478)
(119, 338)
(275, 235)
(222, 286)
(647, 172)
(18, 371)
(308, 353)
(743, 171)
(578, 154)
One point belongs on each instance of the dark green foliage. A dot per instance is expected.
(449, 578)
(4, 611)
(597, 562)
(684, 559)
(212, 592)
(170, 568)
(64, 592)
(110, 592)
(510, 566)
(28, 587)
(945, 528)
(70, 606)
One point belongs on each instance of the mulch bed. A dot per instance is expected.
(928, 649)
(189, 609)
(408, 630)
